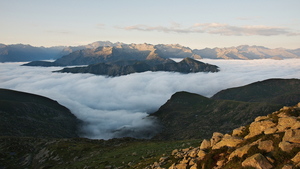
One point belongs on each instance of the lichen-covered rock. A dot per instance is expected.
(229, 141)
(266, 145)
(216, 138)
(258, 161)
(205, 144)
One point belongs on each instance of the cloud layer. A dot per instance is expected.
(117, 107)
(218, 28)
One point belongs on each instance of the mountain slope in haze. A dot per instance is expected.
(246, 52)
(277, 91)
(24, 53)
(188, 116)
(187, 65)
(29, 115)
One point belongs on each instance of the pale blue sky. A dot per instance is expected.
(196, 24)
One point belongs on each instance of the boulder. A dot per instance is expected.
(205, 144)
(238, 131)
(257, 161)
(296, 159)
(287, 146)
(201, 154)
(216, 138)
(296, 125)
(292, 135)
(270, 130)
(240, 151)
(174, 152)
(229, 141)
(266, 145)
(286, 122)
(287, 166)
(257, 128)
(193, 153)
(259, 118)
(194, 166)
(181, 166)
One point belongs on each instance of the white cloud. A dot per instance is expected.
(109, 104)
(218, 28)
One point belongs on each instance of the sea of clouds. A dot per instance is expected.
(119, 106)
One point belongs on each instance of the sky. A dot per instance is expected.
(108, 105)
(193, 23)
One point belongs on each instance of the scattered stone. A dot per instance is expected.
(134, 154)
(174, 152)
(258, 161)
(194, 166)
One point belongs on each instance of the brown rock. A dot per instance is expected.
(238, 131)
(258, 161)
(194, 166)
(286, 122)
(287, 146)
(295, 139)
(193, 153)
(229, 141)
(240, 151)
(259, 118)
(257, 128)
(266, 145)
(201, 154)
(205, 144)
(270, 130)
(287, 166)
(296, 125)
(192, 162)
(216, 138)
(174, 152)
(181, 166)
(296, 159)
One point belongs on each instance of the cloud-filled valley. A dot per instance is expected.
(108, 104)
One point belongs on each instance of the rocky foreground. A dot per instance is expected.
(271, 141)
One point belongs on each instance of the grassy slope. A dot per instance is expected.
(279, 91)
(187, 115)
(24, 114)
(20, 152)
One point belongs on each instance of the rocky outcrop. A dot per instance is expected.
(270, 141)
(257, 161)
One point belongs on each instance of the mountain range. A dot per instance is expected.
(118, 68)
(22, 53)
